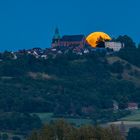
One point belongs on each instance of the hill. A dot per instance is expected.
(130, 73)
(67, 83)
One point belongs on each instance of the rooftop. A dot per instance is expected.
(72, 37)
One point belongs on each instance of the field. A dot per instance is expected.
(48, 117)
(129, 121)
(126, 125)
(135, 116)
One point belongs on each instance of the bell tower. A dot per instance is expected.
(56, 34)
(56, 38)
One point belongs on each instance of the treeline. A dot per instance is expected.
(62, 130)
(131, 52)
(133, 134)
(19, 122)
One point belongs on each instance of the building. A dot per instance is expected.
(123, 129)
(132, 106)
(115, 46)
(68, 40)
(115, 105)
(56, 38)
(87, 110)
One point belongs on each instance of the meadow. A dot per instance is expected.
(48, 117)
(135, 116)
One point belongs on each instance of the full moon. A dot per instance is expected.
(93, 38)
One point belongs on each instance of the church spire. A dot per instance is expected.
(56, 35)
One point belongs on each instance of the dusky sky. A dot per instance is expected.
(31, 23)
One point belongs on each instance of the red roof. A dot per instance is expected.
(132, 104)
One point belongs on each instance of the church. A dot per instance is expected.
(68, 40)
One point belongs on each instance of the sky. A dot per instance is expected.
(27, 24)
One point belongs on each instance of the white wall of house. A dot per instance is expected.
(116, 46)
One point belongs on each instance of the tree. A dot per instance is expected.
(100, 43)
(128, 42)
(16, 138)
(5, 136)
(117, 67)
(33, 136)
(133, 134)
(7, 55)
(62, 130)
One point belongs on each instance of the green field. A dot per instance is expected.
(48, 117)
(135, 116)
(45, 117)
(129, 121)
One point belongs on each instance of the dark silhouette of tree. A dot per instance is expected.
(133, 134)
(100, 43)
(128, 41)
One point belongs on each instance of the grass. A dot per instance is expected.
(130, 121)
(45, 117)
(127, 124)
(48, 117)
(128, 75)
(135, 116)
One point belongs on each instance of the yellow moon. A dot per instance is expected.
(93, 38)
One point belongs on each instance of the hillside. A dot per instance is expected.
(130, 73)
(66, 83)
(71, 86)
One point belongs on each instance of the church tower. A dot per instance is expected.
(56, 34)
(56, 38)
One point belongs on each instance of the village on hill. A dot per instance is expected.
(76, 44)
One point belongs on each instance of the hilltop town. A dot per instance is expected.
(75, 44)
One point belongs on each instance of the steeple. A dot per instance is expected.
(56, 34)
(56, 38)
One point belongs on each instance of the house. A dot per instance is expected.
(87, 110)
(115, 46)
(44, 56)
(68, 40)
(73, 40)
(14, 55)
(77, 51)
(53, 49)
(86, 51)
(123, 129)
(59, 52)
(115, 105)
(132, 106)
